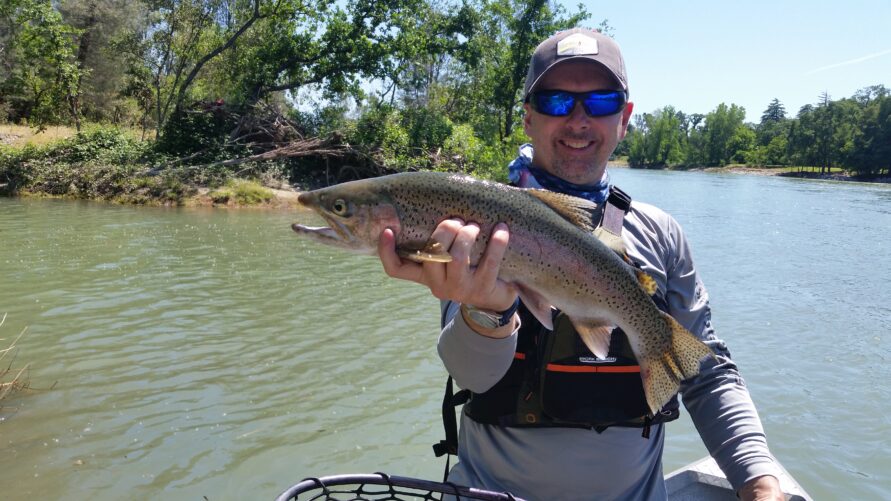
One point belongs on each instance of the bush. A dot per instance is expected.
(194, 131)
(99, 162)
(242, 192)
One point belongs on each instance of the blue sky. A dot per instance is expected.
(697, 54)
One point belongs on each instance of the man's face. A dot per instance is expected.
(575, 147)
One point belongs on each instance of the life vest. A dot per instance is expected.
(555, 381)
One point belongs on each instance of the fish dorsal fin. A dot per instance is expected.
(577, 211)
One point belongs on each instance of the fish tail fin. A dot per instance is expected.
(662, 373)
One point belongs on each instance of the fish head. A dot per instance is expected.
(356, 212)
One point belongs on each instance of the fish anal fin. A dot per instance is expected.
(662, 373)
(577, 211)
(647, 282)
(595, 333)
(431, 251)
(537, 305)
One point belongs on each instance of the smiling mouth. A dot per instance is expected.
(576, 144)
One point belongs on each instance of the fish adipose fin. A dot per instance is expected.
(596, 335)
(577, 211)
(662, 373)
(431, 251)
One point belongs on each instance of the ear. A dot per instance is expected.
(626, 118)
(527, 114)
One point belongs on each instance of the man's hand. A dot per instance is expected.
(456, 280)
(766, 488)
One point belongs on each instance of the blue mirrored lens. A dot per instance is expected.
(555, 103)
(602, 104)
(560, 103)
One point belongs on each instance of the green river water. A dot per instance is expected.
(191, 353)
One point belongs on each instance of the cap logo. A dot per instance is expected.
(577, 45)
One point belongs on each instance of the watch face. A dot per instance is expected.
(481, 318)
(484, 319)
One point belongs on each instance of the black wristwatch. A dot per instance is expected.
(487, 318)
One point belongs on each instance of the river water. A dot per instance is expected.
(189, 353)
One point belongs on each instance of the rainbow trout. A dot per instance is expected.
(552, 259)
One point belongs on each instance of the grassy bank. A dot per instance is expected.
(114, 165)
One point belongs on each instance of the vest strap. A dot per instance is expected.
(609, 231)
(450, 423)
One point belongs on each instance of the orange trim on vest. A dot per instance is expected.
(592, 368)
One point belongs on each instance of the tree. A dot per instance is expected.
(775, 112)
(496, 57)
(659, 139)
(102, 25)
(720, 129)
(40, 55)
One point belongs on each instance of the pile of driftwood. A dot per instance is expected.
(269, 135)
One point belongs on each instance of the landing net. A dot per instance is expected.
(380, 486)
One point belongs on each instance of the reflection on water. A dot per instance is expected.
(212, 353)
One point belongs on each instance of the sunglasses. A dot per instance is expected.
(560, 103)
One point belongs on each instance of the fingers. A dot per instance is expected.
(445, 233)
(458, 273)
(456, 280)
(490, 262)
(393, 264)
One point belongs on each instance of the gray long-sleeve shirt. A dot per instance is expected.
(570, 463)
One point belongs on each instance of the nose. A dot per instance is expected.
(578, 118)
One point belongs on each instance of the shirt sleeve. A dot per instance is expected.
(717, 399)
(476, 362)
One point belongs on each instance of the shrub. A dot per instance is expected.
(242, 192)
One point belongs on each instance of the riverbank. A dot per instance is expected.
(796, 172)
(114, 165)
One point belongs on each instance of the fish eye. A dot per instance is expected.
(340, 207)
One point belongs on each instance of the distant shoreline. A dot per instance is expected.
(768, 171)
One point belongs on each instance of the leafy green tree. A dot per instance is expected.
(496, 57)
(863, 131)
(720, 132)
(101, 25)
(43, 71)
(658, 140)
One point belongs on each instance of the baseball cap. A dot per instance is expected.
(576, 44)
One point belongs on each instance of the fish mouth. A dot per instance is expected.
(337, 234)
(322, 233)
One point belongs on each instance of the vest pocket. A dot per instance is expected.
(592, 393)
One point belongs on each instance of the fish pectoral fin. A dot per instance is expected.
(577, 211)
(431, 251)
(537, 305)
(662, 373)
(596, 334)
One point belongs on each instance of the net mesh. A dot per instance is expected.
(380, 486)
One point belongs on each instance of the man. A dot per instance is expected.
(575, 114)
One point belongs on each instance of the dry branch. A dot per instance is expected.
(20, 380)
